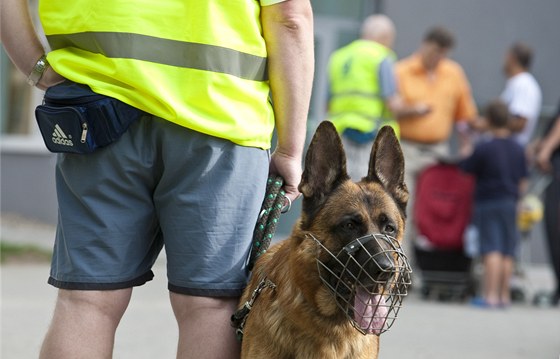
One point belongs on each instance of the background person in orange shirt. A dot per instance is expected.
(428, 76)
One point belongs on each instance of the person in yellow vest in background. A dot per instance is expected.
(189, 175)
(363, 92)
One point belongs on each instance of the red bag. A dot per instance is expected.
(443, 205)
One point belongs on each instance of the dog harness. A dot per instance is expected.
(239, 318)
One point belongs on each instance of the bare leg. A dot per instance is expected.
(492, 277)
(204, 327)
(508, 265)
(84, 324)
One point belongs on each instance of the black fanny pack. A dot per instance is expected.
(75, 119)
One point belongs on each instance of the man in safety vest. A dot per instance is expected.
(190, 174)
(363, 93)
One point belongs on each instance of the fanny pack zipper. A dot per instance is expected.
(84, 132)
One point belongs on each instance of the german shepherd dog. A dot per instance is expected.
(335, 284)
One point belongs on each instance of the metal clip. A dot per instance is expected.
(84, 132)
(239, 318)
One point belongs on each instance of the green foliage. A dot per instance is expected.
(12, 252)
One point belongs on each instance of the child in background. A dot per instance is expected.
(500, 168)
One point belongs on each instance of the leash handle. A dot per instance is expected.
(268, 218)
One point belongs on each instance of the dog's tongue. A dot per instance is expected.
(370, 311)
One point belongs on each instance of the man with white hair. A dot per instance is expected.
(363, 92)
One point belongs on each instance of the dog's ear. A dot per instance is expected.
(386, 165)
(325, 167)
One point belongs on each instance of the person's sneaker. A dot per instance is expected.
(480, 302)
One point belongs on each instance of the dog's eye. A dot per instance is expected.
(389, 229)
(350, 225)
(387, 226)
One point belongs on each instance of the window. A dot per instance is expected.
(17, 99)
(354, 9)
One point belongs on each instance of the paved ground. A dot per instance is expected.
(425, 329)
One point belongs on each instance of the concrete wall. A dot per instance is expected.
(27, 179)
(484, 30)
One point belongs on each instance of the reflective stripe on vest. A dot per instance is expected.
(166, 52)
(355, 102)
(199, 64)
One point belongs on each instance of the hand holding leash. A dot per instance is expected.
(289, 169)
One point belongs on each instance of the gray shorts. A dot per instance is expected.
(158, 185)
(497, 226)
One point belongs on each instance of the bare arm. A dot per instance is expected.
(21, 41)
(389, 91)
(517, 123)
(403, 110)
(547, 146)
(288, 31)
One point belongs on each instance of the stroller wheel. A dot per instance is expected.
(445, 296)
(517, 295)
(425, 292)
(545, 299)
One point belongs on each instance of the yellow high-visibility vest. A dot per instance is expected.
(199, 64)
(354, 87)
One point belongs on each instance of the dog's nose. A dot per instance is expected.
(383, 266)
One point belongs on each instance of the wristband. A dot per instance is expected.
(38, 71)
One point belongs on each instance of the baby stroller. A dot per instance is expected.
(442, 212)
(530, 214)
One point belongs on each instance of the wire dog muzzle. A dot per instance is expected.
(369, 279)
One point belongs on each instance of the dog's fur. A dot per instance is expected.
(299, 318)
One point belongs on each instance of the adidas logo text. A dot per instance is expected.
(60, 138)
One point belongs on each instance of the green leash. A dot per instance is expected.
(271, 209)
(268, 218)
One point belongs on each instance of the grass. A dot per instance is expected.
(23, 253)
